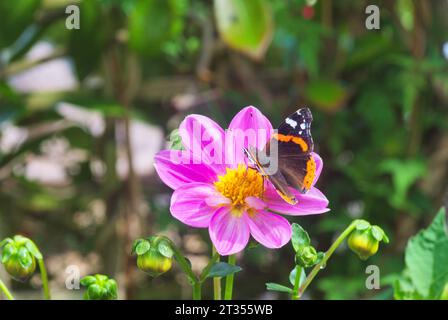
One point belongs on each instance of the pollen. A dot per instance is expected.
(240, 183)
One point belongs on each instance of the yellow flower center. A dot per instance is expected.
(240, 183)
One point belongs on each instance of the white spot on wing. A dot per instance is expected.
(291, 122)
(303, 126)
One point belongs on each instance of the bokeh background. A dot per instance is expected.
(84, 111)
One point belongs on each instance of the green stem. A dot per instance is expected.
(327, 256)
(295, 294)
(183, 263)
(216, 281)
(6, 291)
(197, 290)
(185, 266)
(229, 279)
(43, 274)
(207, 268)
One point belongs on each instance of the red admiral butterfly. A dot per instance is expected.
(296, 166)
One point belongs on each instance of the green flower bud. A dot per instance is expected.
(99, 287)
(19, 257)
(306, 256)
(154, 255)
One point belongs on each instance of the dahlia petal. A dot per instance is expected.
(312, 202)
(255, 203)
(249, 127)
(204, 138)
(188, 204)
(177, 168)
(271, 230)
(217, 200)
(319, 166)
(229, 234)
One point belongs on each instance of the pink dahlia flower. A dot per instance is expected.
(214, 189)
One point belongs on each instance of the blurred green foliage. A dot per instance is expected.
(379, 100)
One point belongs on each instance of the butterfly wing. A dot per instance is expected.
(292, 145)
(276, 178)
(295, 145)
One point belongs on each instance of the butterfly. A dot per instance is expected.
(292, 147)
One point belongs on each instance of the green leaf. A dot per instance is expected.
(5, 242)
(362, 225)
(152, 23)
(328, 95)
(142, 247)
(426, 258)
(245, 26)
(377, 233)
(292, 276)
(299, 237)
(87, 281)
(25, 257)
(405, 290)
(8, 251)
(111, 287)
(404, 174)
(135, 244)
(16, 16)
(101, 278)
(32, 248)
(271, 286)
(95, 292)
(222, 269)
(165, 249)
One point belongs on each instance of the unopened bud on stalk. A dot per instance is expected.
(99, 287)
(154, 255)
(306, 256)
(19, 256)
(365, 239)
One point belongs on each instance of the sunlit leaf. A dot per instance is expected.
(246, 26)
(426, 258)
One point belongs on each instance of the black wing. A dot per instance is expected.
(298, 124)
(295, 144)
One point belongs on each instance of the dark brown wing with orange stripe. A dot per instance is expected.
(297, 128)
(292, 146)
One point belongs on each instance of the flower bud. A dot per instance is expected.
(306, 256)
(154, 255)
(363, 243)
(365, 239)
(99, 287)
(19, 257)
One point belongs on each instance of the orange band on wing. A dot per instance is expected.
(296, 140)
(310, 173)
